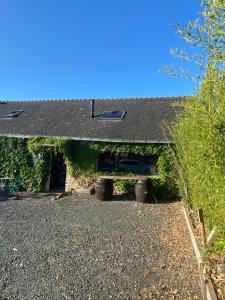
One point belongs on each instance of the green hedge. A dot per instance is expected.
(199, 135)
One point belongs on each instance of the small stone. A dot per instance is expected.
(220, 268)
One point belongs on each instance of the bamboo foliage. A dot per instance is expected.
(199, 135)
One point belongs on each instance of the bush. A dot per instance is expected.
(199, 135)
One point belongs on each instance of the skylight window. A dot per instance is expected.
(13, 114)
(112, 115)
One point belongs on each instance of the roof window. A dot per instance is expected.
(112, 115)
(13, 114)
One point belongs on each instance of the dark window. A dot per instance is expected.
(112, 115)
(107, 161)
(127, 163)
(13, 114)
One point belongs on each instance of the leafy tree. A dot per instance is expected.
(207, 35)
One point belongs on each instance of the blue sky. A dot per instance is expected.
(57, 49)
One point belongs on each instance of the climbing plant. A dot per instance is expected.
(17, 162)
(85, 157)
(18, 157)
(35, 145)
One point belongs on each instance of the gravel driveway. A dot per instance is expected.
(78, 248)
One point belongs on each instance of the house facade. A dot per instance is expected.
(115, 134)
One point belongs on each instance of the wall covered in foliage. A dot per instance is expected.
(84, 157)
(17, 162)
(81, 159)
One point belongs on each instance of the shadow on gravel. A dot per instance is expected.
(36, 195)
(28, 196)
(3, 199)
(131, 197)
(166, 200)
(123, 197)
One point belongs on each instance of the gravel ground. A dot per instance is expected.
(78, 248)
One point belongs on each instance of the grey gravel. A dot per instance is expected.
(78, 248)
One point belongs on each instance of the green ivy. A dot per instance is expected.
(140, 149)
(35, 145)
(16, 162)
(83, 163)
(81, 159)
(162, 154)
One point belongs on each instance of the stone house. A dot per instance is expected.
(122, 121)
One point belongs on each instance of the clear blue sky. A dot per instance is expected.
(52, 49)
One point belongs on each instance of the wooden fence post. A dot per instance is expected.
(201, 220)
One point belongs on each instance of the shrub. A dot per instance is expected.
(199, 135)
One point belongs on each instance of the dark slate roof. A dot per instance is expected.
(71, 119)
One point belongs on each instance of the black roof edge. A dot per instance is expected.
(89, 139)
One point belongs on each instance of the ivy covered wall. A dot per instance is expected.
(83, 158)
(16, 159)
(17, 162)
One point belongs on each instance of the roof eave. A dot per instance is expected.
(91, 139)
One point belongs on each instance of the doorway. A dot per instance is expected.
(58, 172)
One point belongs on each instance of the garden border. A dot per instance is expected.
(208, 291)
